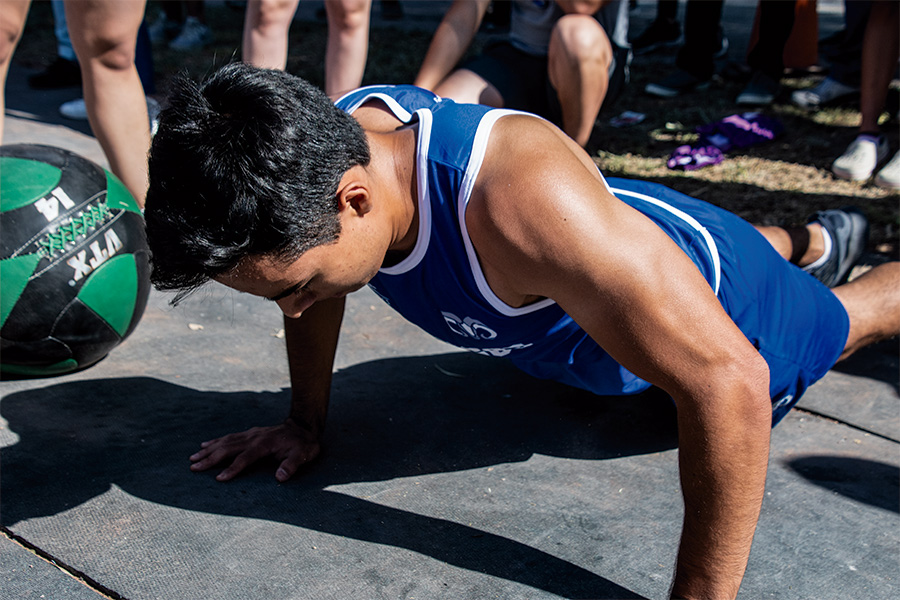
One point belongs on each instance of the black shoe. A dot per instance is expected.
(849, 231)
(661, 33)
(760, 91)
(60, 74)
(722, 39)
(678, 83)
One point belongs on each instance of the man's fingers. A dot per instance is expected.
(286, 469)
(201, 463)
(294, 461)
(200, 455)
(227, 474)
(243, 449)
(241, 462)
(210, 457)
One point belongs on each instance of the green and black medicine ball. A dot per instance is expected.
(74, 263)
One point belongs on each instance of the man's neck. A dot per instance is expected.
(395, 186)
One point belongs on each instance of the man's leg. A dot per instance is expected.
(802, 328)
(579, 60)
(799, 245)
(828, 247)
(872, 301)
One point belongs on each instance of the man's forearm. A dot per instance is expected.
(311, 346)
(723, 472)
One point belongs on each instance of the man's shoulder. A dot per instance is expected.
(531, 169)
(525, 159)
(526, 147)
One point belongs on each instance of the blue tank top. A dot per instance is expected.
(440, 287)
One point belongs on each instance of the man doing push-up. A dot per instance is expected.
(494, 231)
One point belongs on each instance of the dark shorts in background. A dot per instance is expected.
(522, 79)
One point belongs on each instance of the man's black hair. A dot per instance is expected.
(246, 163)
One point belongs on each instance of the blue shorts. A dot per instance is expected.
(798, 325)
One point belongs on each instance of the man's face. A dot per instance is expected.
(328, 271)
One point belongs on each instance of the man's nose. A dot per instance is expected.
(290, 307)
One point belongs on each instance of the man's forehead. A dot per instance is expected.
(256, 270)
(256, 265)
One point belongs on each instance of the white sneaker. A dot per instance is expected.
(153, 109)
(889, 175)
(858, 162)
(827, 91)
(193, 35)
(76, 110)
(163, 29)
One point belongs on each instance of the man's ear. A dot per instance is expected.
(353, 191)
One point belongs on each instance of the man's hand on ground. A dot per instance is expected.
(288, 443)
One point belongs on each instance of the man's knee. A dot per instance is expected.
(580, 38)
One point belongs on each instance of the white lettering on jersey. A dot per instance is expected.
(475, 329)
(469, 327)
(783, 402)
(498, 352)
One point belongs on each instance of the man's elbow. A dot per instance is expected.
(749, 378)
(735, 388)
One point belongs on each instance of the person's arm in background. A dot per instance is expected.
(450, 42)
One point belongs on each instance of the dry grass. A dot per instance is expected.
(776, 183)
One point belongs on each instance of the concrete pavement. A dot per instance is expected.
(445, 474)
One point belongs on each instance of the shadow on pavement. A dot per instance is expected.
(389, 419)
(871, 482)
(879, 362)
